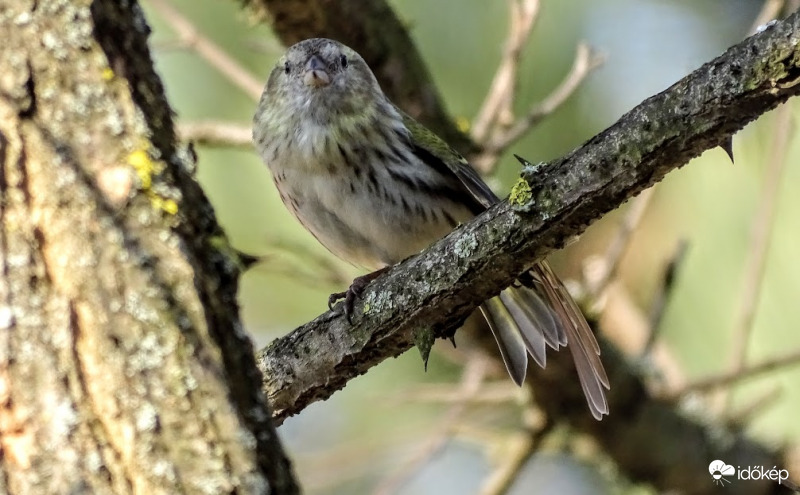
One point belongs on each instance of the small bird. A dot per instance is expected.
(374, 186)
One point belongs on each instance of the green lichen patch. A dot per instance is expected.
(521, 194)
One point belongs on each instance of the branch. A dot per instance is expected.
(520, 449)
(760, 237)
(551, 204)
(503, 136)
(662, 295)
(208, 50)
(472, 377)
(606, 267)
(216, 133)
(728, 378)
(499, 99)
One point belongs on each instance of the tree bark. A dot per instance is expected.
(124, 367)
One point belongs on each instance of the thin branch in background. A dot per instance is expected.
(515, 458)
(471, 379)
(172, 45)
(496, 108)
(729, 378)
(760, 235)
(294, 272)
(517, 453)
(489, 393)
(602, 271)
(755, 407)
(769, 11)
(351, 460)
(324, 269)
(501, 138)
(212, 53)
(216, 133)
(263, 46)
(586, 60)
(663, 294)
(761, 228)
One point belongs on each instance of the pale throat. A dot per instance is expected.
(316, 138)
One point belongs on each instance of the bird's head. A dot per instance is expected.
(323, 80)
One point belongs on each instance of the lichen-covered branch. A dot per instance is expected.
(551, 204)
(123, 364)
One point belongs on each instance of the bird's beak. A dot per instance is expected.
(316, 75)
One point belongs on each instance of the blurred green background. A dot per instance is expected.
(362, 436)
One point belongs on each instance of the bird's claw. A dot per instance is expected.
(349, 296)
(352, 293)
(334, 298)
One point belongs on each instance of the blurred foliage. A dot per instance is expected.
(360, 436)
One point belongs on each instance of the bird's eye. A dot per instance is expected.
(286, 67)
(343, 61)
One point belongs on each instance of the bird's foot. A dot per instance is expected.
(353, 292)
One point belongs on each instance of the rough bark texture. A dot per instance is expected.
(551, 204)
(375, 30)
(123, 365)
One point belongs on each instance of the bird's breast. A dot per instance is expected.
(356, 207)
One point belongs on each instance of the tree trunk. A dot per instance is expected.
(123, 365)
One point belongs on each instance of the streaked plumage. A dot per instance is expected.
(374, 186)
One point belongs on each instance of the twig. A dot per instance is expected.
(492, 393)
(762, 224)
(730, 377)
(585, 61)
(756, 406)
(209, 50)
(609, 264)
(663, 295)
(523, 15)
(296, 274)
(327, 269)
(352, 459)
(760, 235)
(471, 380)
(517, 454)
(522, 447)
(215, 133)
(170, 46)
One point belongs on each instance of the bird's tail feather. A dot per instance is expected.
(527, 319)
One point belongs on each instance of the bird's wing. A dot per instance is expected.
(432, 150)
